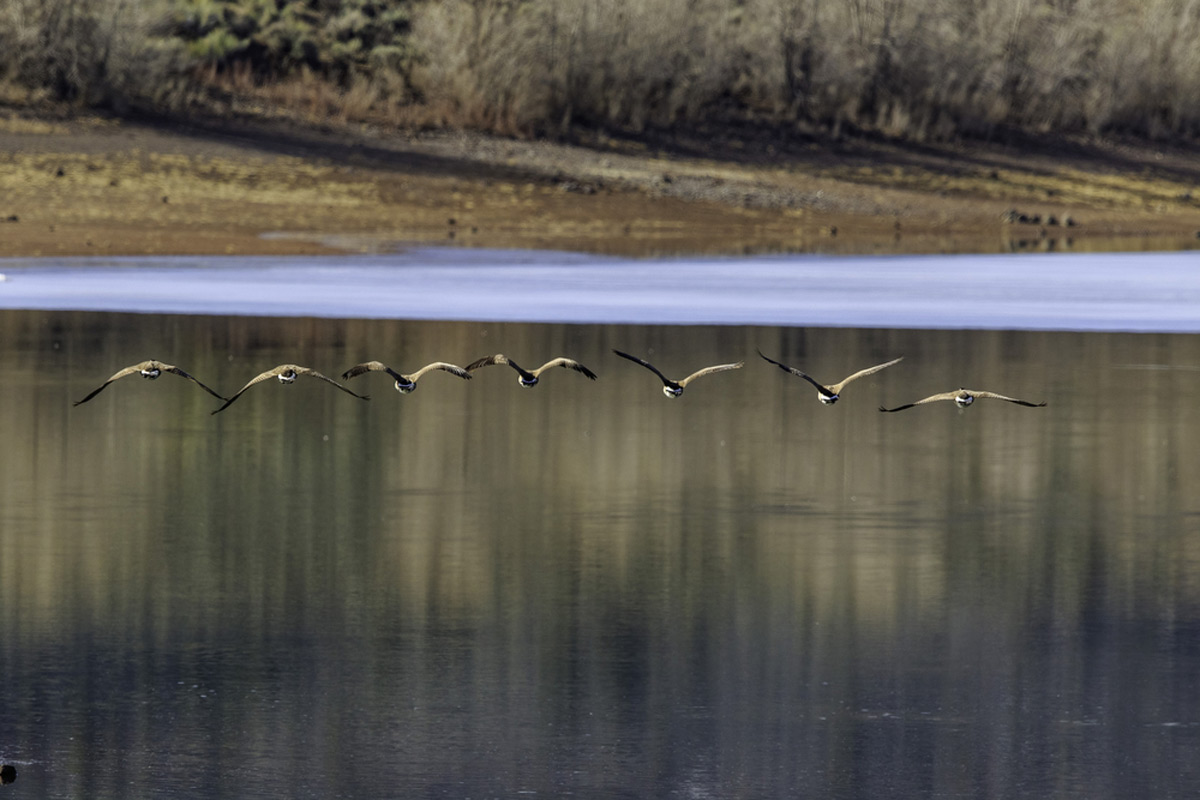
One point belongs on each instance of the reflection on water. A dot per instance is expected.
(482, 590)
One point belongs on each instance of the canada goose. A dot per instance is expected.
(832, 393)
(404, 383)
(287, 373)
(527, 378)
(149, 370)
(675, 388)
(963, 398)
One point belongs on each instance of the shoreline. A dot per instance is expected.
(91, 186)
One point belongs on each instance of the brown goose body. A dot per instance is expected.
(150, 370)
(831, 393)
(287, 373)
(965, 397)
(673, 388)
(404, 383)
(526, 377)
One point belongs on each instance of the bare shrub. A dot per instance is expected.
(917, 68)
(546, 64)
(1147, 71)
(88, 51)
(914, 68)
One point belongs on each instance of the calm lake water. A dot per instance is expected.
(586, 589)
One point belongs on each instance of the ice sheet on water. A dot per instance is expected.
(1115, 292)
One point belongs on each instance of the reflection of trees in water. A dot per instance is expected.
(741, 585)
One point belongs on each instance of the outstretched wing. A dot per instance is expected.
(271, 373)
(820, 388)
(116, 377)
(370, 366)
(500, 358)
(442, 365)
(666, 381)
(182, 374)
(488, 361)
(862, 373)
(569, 363)
(994, 396)
(312, 373)
(700, 373)
(933, 398)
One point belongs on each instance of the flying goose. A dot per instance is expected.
(527, 378)
(404, 383)
(287, 373)
(675, 388)
(149, 370)
(963, 398)
(832, 393)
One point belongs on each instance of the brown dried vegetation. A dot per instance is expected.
(921, 69)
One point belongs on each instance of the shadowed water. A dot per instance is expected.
(588, 589)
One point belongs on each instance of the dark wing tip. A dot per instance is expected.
(634, 359)
(93, 394)
(779, 364)
(228, 402)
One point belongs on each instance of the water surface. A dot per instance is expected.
(1147, 292)
(586, 589)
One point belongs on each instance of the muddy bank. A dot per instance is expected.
(94, 186)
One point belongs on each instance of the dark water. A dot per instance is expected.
(587, 589)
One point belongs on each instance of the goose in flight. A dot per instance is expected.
(404, 383)
(963, 398)
(525, 377)
(287, 373)
(675, 388)
(832, 393)
(148, 370)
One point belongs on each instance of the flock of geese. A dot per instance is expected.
(405, 383)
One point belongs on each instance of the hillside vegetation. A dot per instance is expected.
(921, 69)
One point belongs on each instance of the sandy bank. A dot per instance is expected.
(98, 187)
